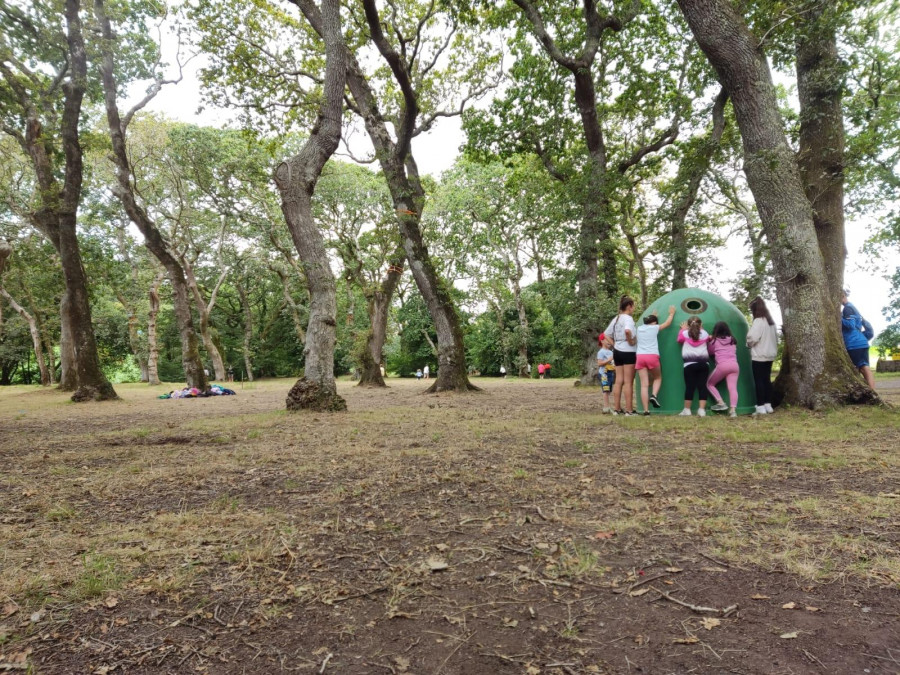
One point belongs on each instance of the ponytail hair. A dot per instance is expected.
(625, 302)
(759, 310)
(694, 325)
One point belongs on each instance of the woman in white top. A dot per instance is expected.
(624, 335)
(763, 342)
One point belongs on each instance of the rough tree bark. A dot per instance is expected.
(248, 329)
(296, 180)
(124, 190)
(820, 87)
(379, 304)
(152, 344)
(5, 252)
(817, 370)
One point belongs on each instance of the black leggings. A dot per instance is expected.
(695, 376)
(762, 378)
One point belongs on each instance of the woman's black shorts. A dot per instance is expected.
(624, 358)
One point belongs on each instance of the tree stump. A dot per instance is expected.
(309, 395)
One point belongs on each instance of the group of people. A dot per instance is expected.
(627, 348)
(421, 373)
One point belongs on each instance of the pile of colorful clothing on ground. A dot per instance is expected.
(193, 392)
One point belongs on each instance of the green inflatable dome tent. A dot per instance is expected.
(711, 308)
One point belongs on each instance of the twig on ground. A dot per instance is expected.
(697, 608)
(241, 604)
(359, 595)
(813, 658)
(639, 583)
(325, 662)
(515, 550)
(711, 559)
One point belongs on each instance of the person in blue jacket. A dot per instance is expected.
(856, 343)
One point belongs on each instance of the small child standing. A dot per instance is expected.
(723, 348)
(695, 352)
(606, 369)
(648, 365)
(419, 374)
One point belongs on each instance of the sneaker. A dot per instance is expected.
(719, 407)
(732, 413)
(629, 413)
(646, 412)
(769, 408)
(606, 411)
(616, 412)
(760, 410)
(701, 412)
(654, 402)
(686, 413)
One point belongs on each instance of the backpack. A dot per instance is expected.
(867, 329)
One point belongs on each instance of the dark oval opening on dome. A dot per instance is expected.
(693, 306)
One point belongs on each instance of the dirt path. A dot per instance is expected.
(510, 531)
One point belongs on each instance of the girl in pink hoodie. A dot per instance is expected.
(723, 348)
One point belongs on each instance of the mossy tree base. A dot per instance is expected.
(102, 392)
(309, 395)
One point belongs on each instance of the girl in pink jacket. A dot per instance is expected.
(723, 348)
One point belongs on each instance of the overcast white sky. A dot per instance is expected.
(436, 151)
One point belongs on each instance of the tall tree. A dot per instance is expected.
(296, 180)
(41, 108)
(124, 189)
(817, 370)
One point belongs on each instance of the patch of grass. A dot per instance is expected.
(60, 512)
(99, 575)
(520, 474)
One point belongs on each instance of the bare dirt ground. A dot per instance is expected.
(510, 531)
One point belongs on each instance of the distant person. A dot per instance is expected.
(503, 371)
(606, 370)
(541, 371)
(723, 348)
(419, 374)
(763, 342)
(857, 344)
(381, 368)
(694, 343)
(230, 374)
(622, 331)
(426, 372)
(647, 364)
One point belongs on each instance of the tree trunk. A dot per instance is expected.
(152, 344)
(35, 336)
(379, 306)
(204, 309)
(820, 86)
(248, 329)
(134, 340)
(124, 190)
(817, 370)
(56, 217)
(296, 180)
(68, 375)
